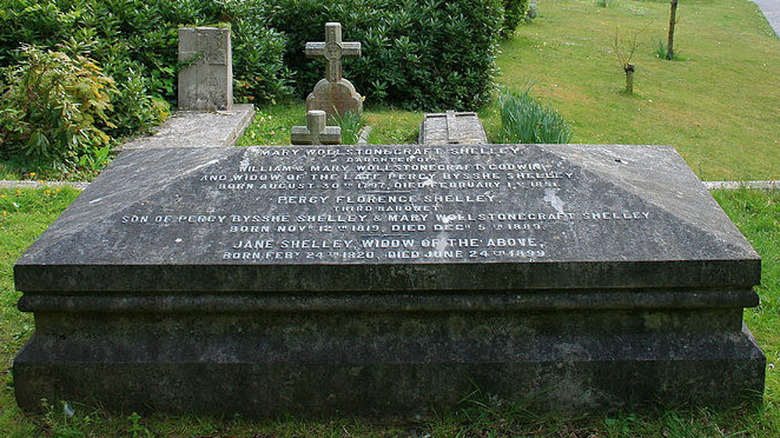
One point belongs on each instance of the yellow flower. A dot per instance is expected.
(18, 192)
(32, 174)
(2, 196)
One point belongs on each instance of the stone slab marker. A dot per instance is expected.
(452, 128)
(334, 94)
(207, 83)
(315, 132)
(390, 280)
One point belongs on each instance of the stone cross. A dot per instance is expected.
(333, 49)
(315, 131)
(206, 80)
(334, 94)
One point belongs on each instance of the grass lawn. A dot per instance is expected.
(24, 214)
(719, 105)
(272, 125)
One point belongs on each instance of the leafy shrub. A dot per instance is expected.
(135, 110)
(32, 22)
(418, 54)
(531, 12)
(421, 54)
(525, 120)
(136, 43)
(54, 107)
(514, 13)
(429, 54)
(259, 73)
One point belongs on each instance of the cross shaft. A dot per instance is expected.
(315, 131)
(333, 50)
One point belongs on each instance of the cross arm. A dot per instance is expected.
(315, 50)
(350, 50)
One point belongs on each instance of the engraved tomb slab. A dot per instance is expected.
(388, 280)
(509, 209)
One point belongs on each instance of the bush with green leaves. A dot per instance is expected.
(54, 108)
(514, 13)
(428, 55)
(417, 54)
(136, 43)
(526, 120)
(259, 72)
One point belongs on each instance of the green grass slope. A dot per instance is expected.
(718, 105)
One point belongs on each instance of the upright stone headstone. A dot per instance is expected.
(390, 280)
(315, 132)
(334, 94)
(206, 80)
(452, 128)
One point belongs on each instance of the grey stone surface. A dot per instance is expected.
(390, 280)
(561, 204)
(771, 10)
(206, 80)
(452, 128)
(25, 184)
(334, 94)
(196, 129)
(735, 185)
(315, 132)
(710, 185)
(364, 135)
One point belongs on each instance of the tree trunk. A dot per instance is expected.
(629, 69)
(672, 21)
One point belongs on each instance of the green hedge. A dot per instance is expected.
(422, 54)
(514, 13)
(417, 54)
(136, 41)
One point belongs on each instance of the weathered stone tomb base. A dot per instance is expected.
(390, 354)
(571, 278)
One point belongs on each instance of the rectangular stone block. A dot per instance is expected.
(206, 81)
(390, 280)
(452, 128)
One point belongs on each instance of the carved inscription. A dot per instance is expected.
(396, 203)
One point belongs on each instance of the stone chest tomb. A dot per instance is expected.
(390, 280)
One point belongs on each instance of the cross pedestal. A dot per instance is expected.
(334, 94)
(315, 132)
